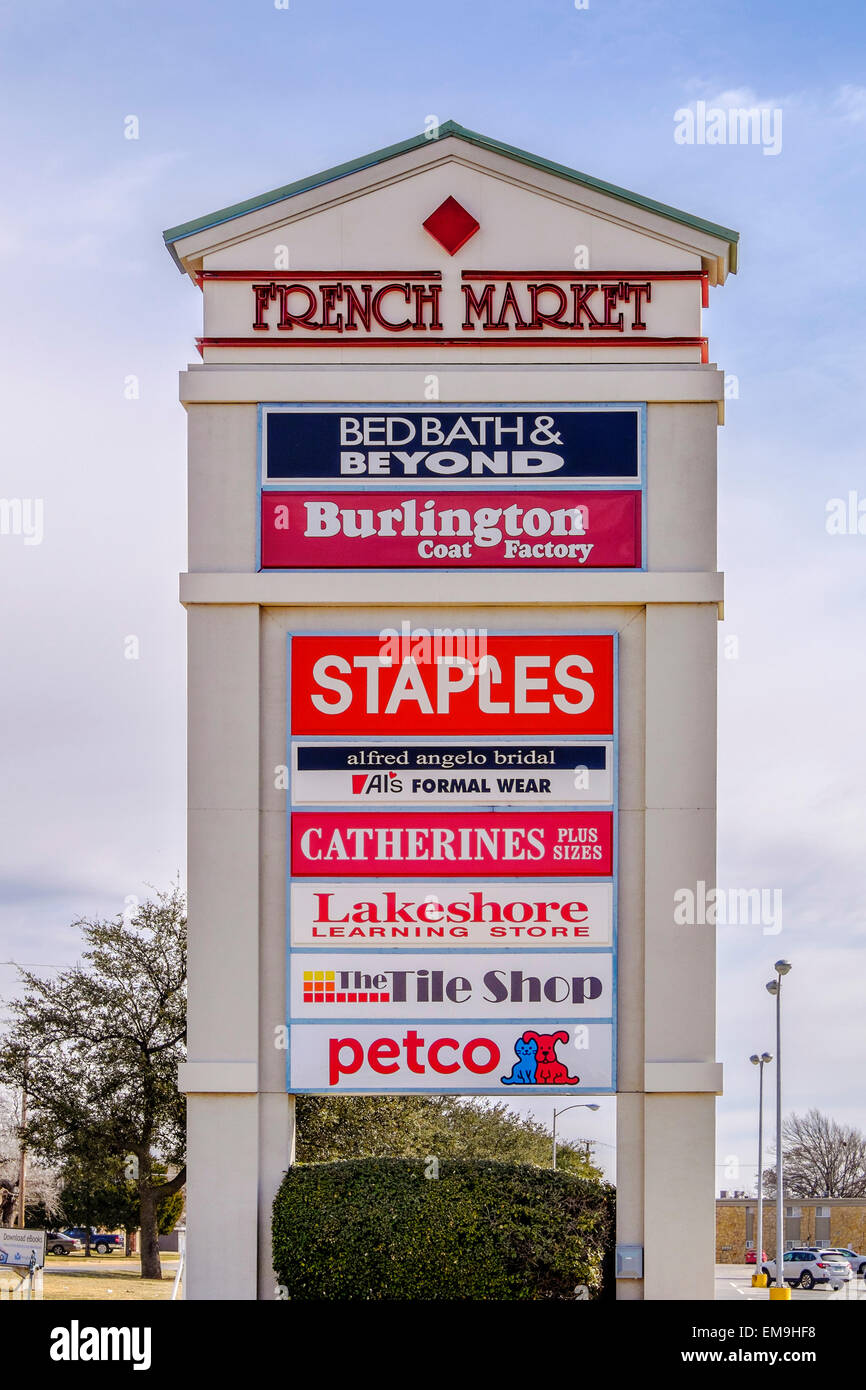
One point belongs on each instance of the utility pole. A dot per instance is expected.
(22, 1157)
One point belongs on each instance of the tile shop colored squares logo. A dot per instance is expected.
(323, 987)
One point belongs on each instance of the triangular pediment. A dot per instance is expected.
(453, 243)
(370, 213)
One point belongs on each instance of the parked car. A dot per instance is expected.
(806, 1268)
(100, 1241)
(58, 1243)
(750, 1257)
(855, 1262)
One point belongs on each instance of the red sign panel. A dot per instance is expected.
(451, 679)
(548, 843)
(455, 530)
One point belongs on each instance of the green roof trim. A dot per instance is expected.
(448, 128)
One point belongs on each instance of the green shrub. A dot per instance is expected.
(376, 1228)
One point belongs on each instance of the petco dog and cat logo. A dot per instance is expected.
(469, 1058)
(537, 1063)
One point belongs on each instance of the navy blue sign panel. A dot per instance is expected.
(360, 758)
(470, 444)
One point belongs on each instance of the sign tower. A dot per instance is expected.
(452, 601)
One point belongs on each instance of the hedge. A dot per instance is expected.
(377, 1228)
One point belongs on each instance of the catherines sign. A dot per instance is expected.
(343, 844)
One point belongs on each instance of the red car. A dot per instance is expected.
(750, 1257)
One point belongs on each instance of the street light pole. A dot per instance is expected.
(580, 1105)
(775, 988)
(760, 1063)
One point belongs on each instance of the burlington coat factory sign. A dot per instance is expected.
(467, 943)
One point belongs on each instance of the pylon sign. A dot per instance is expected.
(452, 857)
(451, 381)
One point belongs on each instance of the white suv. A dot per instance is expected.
(855, 1262)
(806, 1268)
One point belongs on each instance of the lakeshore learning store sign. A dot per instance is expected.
(452, 948)
(479, 487)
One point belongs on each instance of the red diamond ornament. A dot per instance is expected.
(451, 225)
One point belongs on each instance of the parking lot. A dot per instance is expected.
(734, 1283)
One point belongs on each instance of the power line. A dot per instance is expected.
(33, 965)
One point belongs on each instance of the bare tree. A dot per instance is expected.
(43, 1180)
(821, 1158)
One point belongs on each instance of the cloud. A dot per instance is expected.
(851, 103)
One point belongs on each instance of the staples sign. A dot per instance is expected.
(517, 685)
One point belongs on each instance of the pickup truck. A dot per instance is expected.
(99, 1240)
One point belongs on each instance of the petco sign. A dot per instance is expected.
(478, 1058)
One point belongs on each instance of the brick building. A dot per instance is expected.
(808, 1221)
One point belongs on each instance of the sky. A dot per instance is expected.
(234, 97)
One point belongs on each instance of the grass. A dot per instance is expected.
(105, 1279)
(96, 1285)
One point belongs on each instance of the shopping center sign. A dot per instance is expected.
(451, 382)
